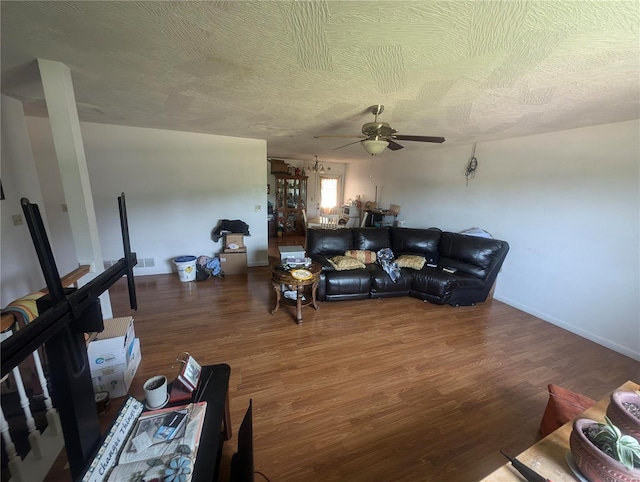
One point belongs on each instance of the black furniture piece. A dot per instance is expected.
(213, 389)
(242, 460)
(475, 260)
(65, 315)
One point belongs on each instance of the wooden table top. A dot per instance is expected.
(285, 277)
(547, 457)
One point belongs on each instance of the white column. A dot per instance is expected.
(67, 138)
(15, 462)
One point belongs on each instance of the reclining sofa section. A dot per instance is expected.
(476, 260)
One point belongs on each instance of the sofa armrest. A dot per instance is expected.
(323, 261)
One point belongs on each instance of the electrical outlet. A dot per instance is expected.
(17, 219)
(258, 208)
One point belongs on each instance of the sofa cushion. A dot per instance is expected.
(471, 254)
(344, 263)
(362, 255)
(371, 239)
(441, 284)
(423, 242)
(381, 281)
(435, 282)
(411, 261)
(328, 242)
(355, 281)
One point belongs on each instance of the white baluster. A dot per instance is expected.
(34, 435)
(15, 462)
(53, 420)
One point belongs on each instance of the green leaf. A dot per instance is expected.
(613, 428)
(625, 456)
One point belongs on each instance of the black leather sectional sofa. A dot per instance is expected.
(476, 261)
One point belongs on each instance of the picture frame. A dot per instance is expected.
(189, 374)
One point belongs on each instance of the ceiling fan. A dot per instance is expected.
(379, 135)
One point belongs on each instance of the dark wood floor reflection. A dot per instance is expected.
(394, 389)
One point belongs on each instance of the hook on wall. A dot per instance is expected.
(472, 165)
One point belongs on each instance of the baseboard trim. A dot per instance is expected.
(569, 327)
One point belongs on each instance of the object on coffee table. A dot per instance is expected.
(155, 390)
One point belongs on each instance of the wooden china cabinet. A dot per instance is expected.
(291, 199)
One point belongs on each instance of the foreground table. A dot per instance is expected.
(213, 389)
(548, 456)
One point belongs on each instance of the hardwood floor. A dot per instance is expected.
(390, 389)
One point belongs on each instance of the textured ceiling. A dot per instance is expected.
(286, 71)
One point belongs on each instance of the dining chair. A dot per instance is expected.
(329, 221)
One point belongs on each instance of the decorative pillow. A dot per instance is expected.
(411, 261)
(364, 256)
(343, 263)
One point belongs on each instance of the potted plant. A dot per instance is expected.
(624, 412)
(602, 453)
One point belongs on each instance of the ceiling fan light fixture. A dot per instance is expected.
(374, 146)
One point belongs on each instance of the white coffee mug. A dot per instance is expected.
(155, 390)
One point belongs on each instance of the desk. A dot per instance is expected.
(373, 216)
(547, 457)
(213, 389)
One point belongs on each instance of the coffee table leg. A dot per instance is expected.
(300, 291)
(314, 287)
(276, 286)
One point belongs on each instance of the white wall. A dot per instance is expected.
(567, 202)
(178, 186)
(19, 267)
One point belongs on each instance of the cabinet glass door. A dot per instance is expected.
(291, 199)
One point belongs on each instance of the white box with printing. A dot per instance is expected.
(112, 349)
(117, 383)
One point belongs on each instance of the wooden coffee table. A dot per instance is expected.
(297, 284)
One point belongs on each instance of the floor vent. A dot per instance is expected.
(142, 263)
(147, 262)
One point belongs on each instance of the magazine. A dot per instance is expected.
(162, 442)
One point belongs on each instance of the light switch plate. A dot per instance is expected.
(17, 219)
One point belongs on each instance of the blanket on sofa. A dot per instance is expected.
(385, 258)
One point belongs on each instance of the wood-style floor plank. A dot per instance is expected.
(389, 389)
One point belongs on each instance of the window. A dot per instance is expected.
(329, 192)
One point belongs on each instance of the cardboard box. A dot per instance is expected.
(233, 263)
(278, 166)
(394, 209)
(235, 239)
(291, 252)
(117, 383)
(112, 348)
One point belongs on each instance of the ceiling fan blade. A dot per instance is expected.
(355, 142)
(394, 146)
(345, 137)
(439, 140)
